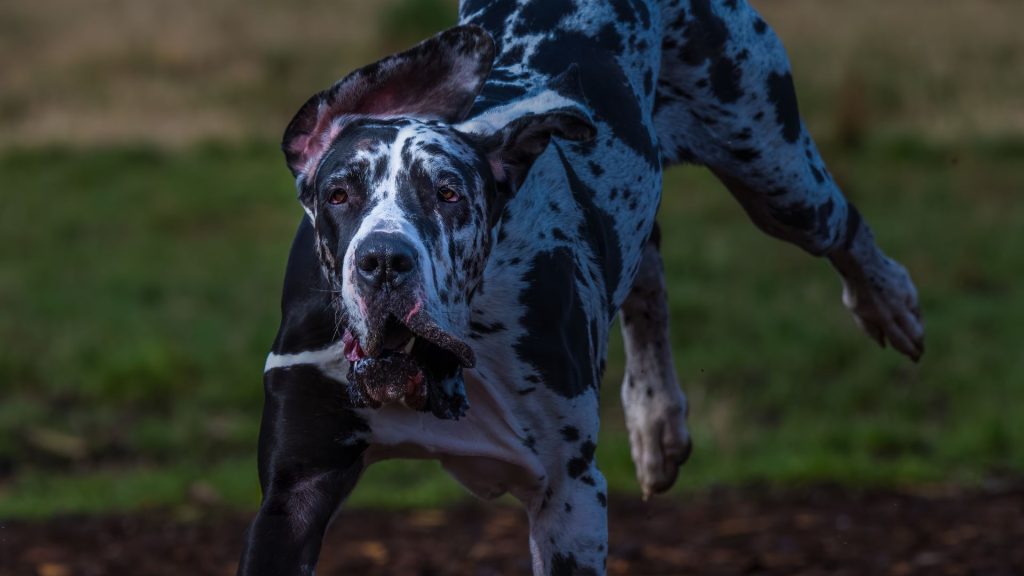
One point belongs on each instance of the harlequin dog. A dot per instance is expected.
(478, 210)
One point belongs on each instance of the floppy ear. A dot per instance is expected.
(437, 79)
(514, 135)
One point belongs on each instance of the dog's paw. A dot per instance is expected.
(883, 300)
(658, 437)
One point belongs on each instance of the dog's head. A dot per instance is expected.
(404, 193)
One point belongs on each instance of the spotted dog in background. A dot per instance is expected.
(478, 210)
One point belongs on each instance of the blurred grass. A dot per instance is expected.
(139, 292)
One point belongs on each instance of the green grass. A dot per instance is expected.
(139, 293)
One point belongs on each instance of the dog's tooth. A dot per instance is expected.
(408, 346)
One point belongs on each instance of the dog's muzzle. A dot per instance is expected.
(405, 356)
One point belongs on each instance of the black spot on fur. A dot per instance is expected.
(783, 96)
(853, 222)
(760, 26)
(598, 228)
(554, 307)
(576, 467)
(547, 498)
(587, 450)
(745, 154)
(628, 11)
(725, 80)
(825, 211)
(818, 176)
(607, 89)
(798, 217)
(531, 443)
(745, 134)
(579, 464)
(501, 86)
(602, 499)
(490, 15)
(570, 433)
(609, 37)
(564, 565)
(705, 35)
(543, 15)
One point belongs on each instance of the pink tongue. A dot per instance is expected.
(352, 350)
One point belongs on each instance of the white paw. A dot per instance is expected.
(658, 437)
(883, 300)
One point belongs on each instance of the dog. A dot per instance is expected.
(477, 211)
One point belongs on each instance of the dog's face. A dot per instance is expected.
(404, 195)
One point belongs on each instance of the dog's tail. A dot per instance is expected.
(725, 99)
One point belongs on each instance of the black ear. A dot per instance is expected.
(514, 135)
(437, 79)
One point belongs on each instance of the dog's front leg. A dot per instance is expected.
(652, 400)
(569, 512)
(310, 457)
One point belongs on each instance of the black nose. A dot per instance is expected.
(384, 260)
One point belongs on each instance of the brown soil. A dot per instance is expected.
(818, 531)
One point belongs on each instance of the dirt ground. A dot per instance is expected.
(806, 532)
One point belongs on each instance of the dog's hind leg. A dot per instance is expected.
(310, 457)
(725, 99)
(652, 400)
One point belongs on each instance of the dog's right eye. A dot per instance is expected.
(448, 194)
(338, 196)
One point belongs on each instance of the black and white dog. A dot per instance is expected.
(480, 208)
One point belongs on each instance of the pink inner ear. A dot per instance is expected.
(311, 147)
(300, 146)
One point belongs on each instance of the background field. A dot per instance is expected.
(146, 215)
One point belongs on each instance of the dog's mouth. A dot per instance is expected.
(409, 360)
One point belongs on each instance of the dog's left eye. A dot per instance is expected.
(339, 196)
(448, 194)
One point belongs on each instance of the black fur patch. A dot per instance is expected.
(537, 16)
(579, 464)
(564, 565)
(782, 95)
(605, 85)
(598, 229)
(706, 35)
(563, 357)
(725, 80)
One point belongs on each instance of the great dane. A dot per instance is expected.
(478, 210)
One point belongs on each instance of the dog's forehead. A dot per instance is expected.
(383, 145)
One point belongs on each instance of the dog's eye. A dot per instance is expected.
(448, 194)
(338, 196)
